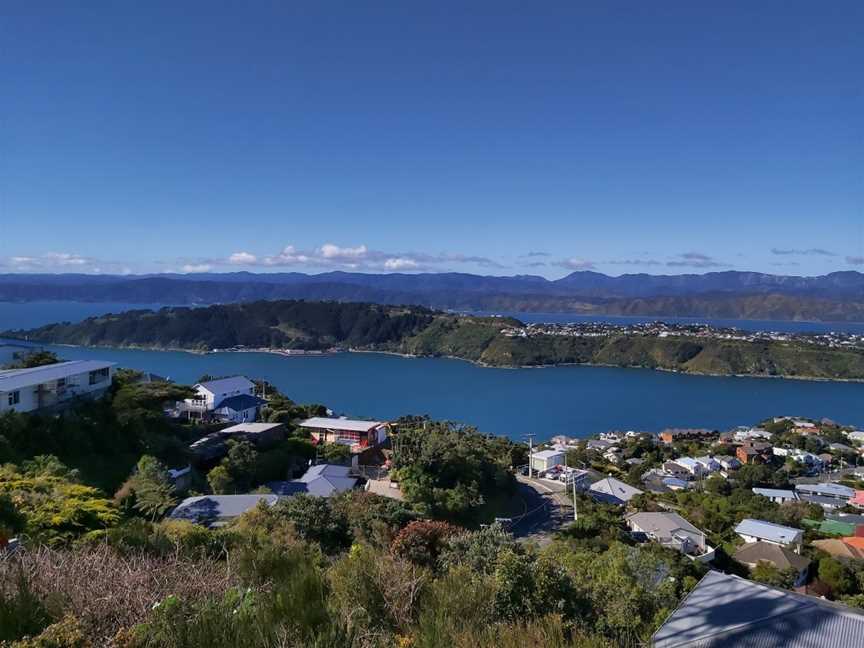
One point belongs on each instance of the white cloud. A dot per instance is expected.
(331, 251)
(401, 264)
(358, 257)
(242, 258)
(575, 264)
(197, 267)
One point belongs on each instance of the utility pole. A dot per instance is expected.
(530, 452)
(575, 509)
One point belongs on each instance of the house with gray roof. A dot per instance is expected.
(725, 611)
(229, 399)
(613, 491)
(761, 531)
(673, 531)
(834, 491)
(323, 480)
(218, 510)
(777, 495)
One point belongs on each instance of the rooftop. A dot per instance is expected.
(662, 525)
(348, 425)
(250, 428)
(217, 510)
(768, 531)
(14, 379)
(725, 611)
(827, 490)
(547, 454)
(782, 558)
(776, 492)
(226, 385)
(613, 489)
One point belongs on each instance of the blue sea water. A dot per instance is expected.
(578, 401)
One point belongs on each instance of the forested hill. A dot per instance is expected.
(271, 324)
(416, 330)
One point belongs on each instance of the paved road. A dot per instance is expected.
(548, 509)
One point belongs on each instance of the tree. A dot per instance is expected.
(241, 463)
(315, 520)
(834, 574)
(478, 550)
(37, 358)
(220, 481)
(12, 521)
(154, 490)
(765, 572)
(422, 541)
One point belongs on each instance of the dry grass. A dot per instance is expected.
(107, 591)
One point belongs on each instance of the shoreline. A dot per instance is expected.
(303, 353)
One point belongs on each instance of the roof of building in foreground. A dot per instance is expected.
(12, 379)
(726, 611)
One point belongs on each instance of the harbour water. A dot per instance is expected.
(573, 400)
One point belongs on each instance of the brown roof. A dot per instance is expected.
(753, 553)
(839, 549)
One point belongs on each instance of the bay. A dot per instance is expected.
(572, 400)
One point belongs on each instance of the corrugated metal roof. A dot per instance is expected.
(213, 510)
(767, 531)
(14, 379)
(614, 490)
(227, 385)
(775, 492)
(349, 425)
(726, 611)
(828, 490)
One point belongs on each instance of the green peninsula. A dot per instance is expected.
(419, 331)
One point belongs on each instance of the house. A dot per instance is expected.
(599, 445)
(858, 499)
(848, 548)
(677, 434)
(227, 399)
(751, 434)
(777, 495)
(613, 491)
(709, 464)
(760, 531)
(753, 553)
(545, 459)
(727, 462)
(384, 488)
(53, 386)
(673, 531)
(181, 478)
(323, 480)
(215, 445)
(693, 467)
(857, 436)
(753, 452)
(613, 456)
(723, 611)
(837, 495)
(218, 510)
(363, 438)
(676, 470)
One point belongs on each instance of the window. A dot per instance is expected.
(14, 398)
(100, 375)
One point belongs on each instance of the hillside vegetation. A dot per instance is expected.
(419, 331)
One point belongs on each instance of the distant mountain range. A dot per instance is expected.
(838, 296)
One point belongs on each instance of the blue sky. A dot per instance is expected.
(500, 137)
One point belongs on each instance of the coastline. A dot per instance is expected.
(303, 353)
